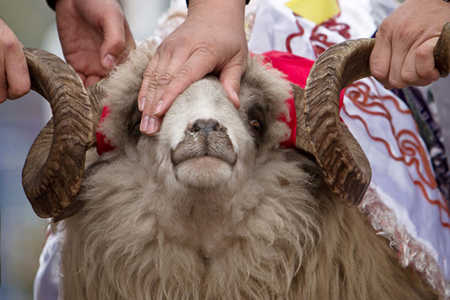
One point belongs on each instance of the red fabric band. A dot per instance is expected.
(296, 69)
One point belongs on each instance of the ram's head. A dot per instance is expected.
(209, 150)
(204, 139)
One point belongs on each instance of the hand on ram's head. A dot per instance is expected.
(201, 45)
(94, 36)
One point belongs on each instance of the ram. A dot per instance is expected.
(212, 207)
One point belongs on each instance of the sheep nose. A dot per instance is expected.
(205, 126)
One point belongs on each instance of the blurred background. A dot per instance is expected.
(22, 232)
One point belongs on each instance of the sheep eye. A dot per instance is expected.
(256, 126)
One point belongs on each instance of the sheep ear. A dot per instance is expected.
(305, 161)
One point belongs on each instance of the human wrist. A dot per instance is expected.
(231, 9)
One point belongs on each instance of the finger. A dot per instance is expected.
(162, 77)
(150, 125)
(400, 50)
(159, 76)
(380, 59)
(195, 68)
(17, 74)
(145, 85)
(82, 77)
(425, 64)
(166, 71)
(113, 39)
(230, 77)
(90, 80)
(409, 73)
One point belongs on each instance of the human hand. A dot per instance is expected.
(94, 36)
(405, 41)
(211, 40)
(14, 76)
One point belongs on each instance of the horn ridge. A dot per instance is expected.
(342, 161)
(53, 170)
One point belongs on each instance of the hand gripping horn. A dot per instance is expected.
(54, 167)
(319, 129)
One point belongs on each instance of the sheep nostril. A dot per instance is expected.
(205, 126)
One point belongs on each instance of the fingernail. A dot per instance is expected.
(144, 124)
(142, 103)
(110, 61)
(158, 107)
(151, 126)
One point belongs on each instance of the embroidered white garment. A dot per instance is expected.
(403, 177)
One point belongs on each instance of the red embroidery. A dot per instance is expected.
(320, 42)
(294, 35)
(341, 28)
(412, 152)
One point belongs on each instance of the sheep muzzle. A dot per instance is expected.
(205, 156)
(205, 138)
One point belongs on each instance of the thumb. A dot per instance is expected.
(425, 64)
(114, 40)
(230, 77)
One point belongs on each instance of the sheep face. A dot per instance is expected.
(201, 130)
(204, 141)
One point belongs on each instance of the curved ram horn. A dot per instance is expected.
(442, 52)
(54, 167)
(319, 129)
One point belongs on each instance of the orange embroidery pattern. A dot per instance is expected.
(320, 41)
(412, 152)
